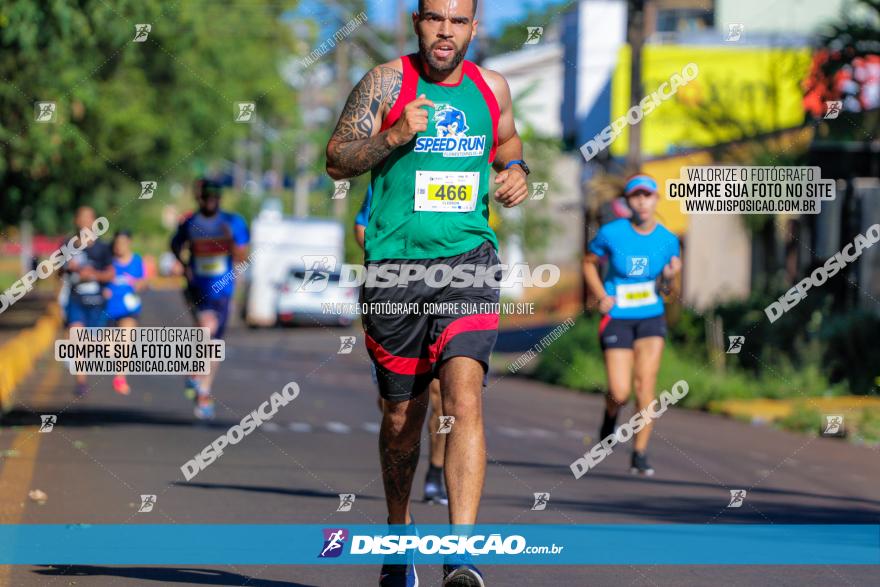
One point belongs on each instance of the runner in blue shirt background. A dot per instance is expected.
(643, 257)
(215, 240)
(123, 301)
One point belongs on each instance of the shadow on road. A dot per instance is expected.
(563, 468)
(275, 490)
(683, 510)
(166, 575)
(680, 506)
(88, 416)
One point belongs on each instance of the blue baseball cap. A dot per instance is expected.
(640, 183)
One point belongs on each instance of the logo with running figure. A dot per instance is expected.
(48, 422)
(346, 345)
(316, 274)
(44, 111)
(541, 500)
(148, 188)
(346, 500)
(735, 344)
(334, 542)
(446, 423)
(833, 426)
(637, 266)
(147, 503)
(141, 32)
(737, 497)
(451, 138)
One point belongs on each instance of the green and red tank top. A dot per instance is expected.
(431, 196)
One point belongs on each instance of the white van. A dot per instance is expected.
(280, 245)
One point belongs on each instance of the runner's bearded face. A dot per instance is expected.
(209, 204)
(445, 29)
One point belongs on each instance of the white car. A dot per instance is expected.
(314, 303)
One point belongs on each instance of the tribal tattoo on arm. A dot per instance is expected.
(356, 145)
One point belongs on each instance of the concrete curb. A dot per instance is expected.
(770, 410)
(17, 356)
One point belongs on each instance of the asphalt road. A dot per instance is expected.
(106, 450)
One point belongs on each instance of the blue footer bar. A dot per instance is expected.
(532, 544)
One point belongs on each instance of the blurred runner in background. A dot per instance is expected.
(123, 301)
(214, 240)
(435, 489)
(643, 257)
(84, 275)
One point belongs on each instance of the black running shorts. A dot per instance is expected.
(620, 333)
(411, 330)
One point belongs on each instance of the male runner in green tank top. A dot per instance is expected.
(428, 126)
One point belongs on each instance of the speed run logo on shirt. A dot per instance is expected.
(451, 137)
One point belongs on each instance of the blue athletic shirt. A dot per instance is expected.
(635, 262)
(211, 241)
(124, 300)
(363, 215)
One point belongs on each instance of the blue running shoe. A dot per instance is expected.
(402, 571)
(204, 409)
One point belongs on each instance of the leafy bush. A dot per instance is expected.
(576, 361)
(850, 350)
(802, 419)
(869, 425)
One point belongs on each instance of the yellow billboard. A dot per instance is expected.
(737, 92)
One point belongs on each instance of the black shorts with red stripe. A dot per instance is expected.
(430, 320)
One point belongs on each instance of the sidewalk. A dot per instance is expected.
(27, 330)
(23, 314)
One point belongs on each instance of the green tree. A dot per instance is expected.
(128, 111)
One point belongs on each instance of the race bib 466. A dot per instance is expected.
(446, 191)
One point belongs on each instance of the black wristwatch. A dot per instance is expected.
(519, 162)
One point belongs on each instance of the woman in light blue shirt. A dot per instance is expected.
(643, 258)
(123, 301)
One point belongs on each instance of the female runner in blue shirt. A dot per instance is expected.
(643, 257)
(123, 301)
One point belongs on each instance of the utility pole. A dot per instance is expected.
(402, 19)
(256, 154)
(342, 67)
(481, 47)
(636, 38)
(302, 183)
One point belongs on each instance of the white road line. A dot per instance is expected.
(338, 427)
(371, 427)
(271, 427)
(300, 426)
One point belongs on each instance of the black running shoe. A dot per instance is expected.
(608, 424)
(465, 575)
(398, 576)
(640, 465)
